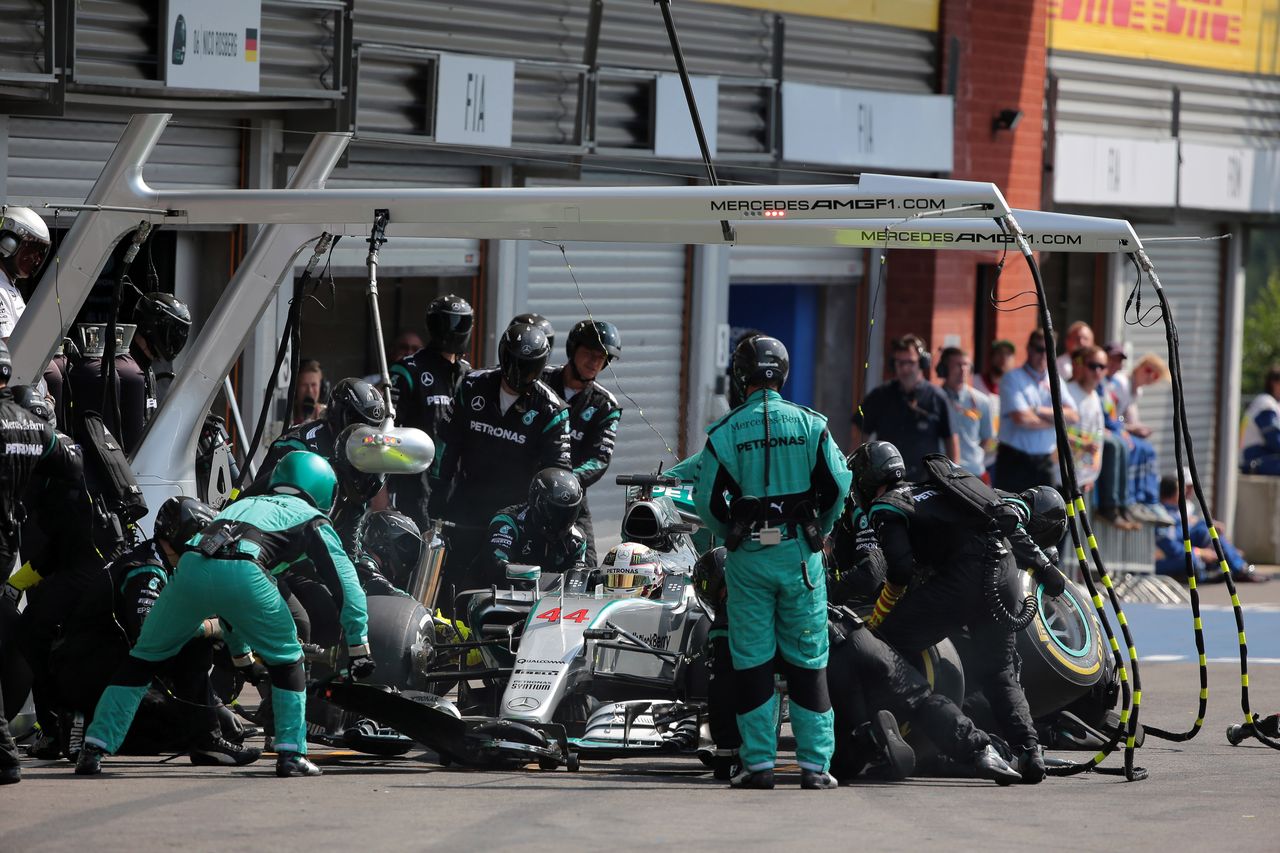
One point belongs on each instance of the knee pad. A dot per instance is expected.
(808, 688)
(753, 686)
(134, 672)
(288, 676)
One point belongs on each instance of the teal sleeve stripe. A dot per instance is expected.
(616, 414)
(502, 516)
(144, 570)
(401, 370)
(877, 507)
(561, 417)
(53, 440)
(291, 442)
(588, 466)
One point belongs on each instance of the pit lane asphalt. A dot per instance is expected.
(1200, 794)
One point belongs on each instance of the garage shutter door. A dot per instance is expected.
(641, 288)
(1191, 273)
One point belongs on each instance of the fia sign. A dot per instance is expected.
(475, 100)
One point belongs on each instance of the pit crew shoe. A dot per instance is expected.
(47, 748)
(754, 779)
(219, 752)
(295, 764)
(816, 780)
(900, 758)
(988, 764)
(90, 761)
(1031, 765)
(10, 775)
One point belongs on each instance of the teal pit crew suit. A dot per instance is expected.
(268, 533)
(770, 605)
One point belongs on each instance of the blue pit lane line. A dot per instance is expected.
(1163, 633)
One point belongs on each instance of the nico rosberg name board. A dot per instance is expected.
(212, 45)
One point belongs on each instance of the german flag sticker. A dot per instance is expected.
(250, 45)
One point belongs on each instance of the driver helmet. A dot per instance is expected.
(164, 321)
(875, 464)
(632, 570)
(355, 401)
(522, 355)
(450, 320)
(538, 321)
(24, 241)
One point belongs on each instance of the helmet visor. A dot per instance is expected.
(450, 332)
(28, 258)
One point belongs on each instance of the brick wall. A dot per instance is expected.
(999, 54)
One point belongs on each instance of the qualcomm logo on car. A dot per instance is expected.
(523, 703)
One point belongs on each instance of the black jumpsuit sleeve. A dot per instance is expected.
(895, 541)
(138, 594)
(553, 443)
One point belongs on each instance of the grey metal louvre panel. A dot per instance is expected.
(58, 159)
(22, 37)
(794, 264)
(859, 55)
(716, 40)
(297, 47)
(117, 39)
(1192, 277)
(641, 289)
(1102, 95)
(533, 29)
(624, 112)
(546, 106)
(743, 124)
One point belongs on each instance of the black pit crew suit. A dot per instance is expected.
(486, 458)
(594, 415)
(96, 642)
(424, 385)
(515, 538)
(30, 450)
(922, 528)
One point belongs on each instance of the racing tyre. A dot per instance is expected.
(1061, 650)
(401, 639)
(572, 763)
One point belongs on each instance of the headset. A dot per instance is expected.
(926, 359)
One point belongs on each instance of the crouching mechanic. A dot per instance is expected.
(540, 532)
(926, 527)
(771, 482)
(96, 641)
(229, 572)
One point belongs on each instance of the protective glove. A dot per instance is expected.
(250, 669)
(889, 595)
(361, 667)
(1053, 581)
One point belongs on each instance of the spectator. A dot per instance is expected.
(970, 409)
(1112, 494)
(1088, 365)
(1079, 334)
(1170, 543)
(999, 362)
(908, 411)
(308, 399)
(1026, 456)
(1260, 442)
(406, 344)
(1143, 467)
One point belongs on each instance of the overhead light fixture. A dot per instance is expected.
(1006, 120)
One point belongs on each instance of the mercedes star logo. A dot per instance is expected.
(523, 703)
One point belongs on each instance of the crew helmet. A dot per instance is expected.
(708, 578)
(760, 360)
(164, 321)
(24, 241)
(598, 335)
(6, 363)
(180, 518)
(449, 323)
(393, 540)
(522, 355)
(1048, 522)
(542, 323)
(875, 464)
(308, 476)
(30, 398)
(354, 401)
(555, 499)
(632, 569)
